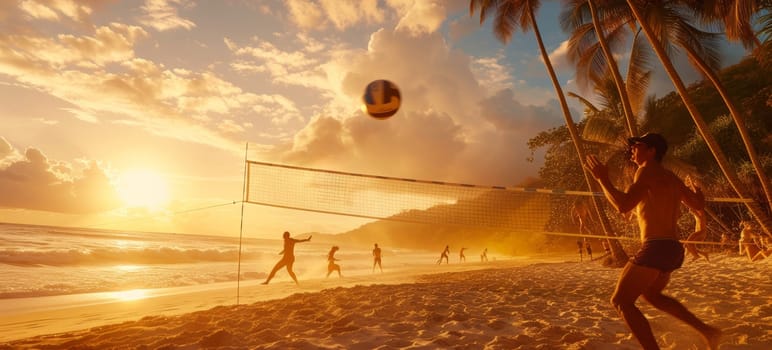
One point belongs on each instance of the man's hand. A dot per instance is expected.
(598, 170)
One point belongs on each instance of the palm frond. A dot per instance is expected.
(589, 64)
(703, 44)
(574, 14)
(584, 50)
(484, 6)
(661, 19)
(650, 110)
(616, 36)
(638, 72)
(587, 104)
(606, 88)
(738, 22)
(581, 39)
(507, 19)
(509, 14)
(733, 17)
(525, 8)
(615, 11)
(765, 25)
(603, 131)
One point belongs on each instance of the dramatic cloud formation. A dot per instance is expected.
(448, 95)
(178, 87)
(447, 129)
(37, 183)
(192, 106)
(559, 57)
(341, 14)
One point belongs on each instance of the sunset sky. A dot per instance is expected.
(135, 114)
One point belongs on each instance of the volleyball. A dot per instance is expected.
(381, 99)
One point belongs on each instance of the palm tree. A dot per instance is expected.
(737, 117)
(700, 47)
(586, 52)
(735, 16)
(650, 18)
(603, 125)
(521, 13)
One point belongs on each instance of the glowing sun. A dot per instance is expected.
(143, 188)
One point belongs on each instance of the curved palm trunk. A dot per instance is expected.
(617, 253)
(702, 127)
(738, 120)
(632, 128)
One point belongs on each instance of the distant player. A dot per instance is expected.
(580, 213)
(748, 240)
(444, 255)
(606, 247)
(331, 259)
(588, 247)
(580, 246)
(461, 256)
(377, 257)
(698, 235)
(700, 232)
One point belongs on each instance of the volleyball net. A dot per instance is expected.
(511, 209)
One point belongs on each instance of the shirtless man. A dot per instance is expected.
(700, 232)
(444, 255)
(377, 257)
(288, 257)
(580, 212)
(748, 239)
(655, 194)
(698, 235)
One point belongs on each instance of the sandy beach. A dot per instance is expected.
(544, 305)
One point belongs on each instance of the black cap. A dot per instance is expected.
(653, 140)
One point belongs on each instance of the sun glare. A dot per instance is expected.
(128, 268)
(143, 188)
(130, 295)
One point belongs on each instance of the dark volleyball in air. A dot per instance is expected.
(381, 99)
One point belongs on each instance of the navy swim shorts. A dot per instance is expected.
(665, 255)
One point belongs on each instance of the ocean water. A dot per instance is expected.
(39, 261)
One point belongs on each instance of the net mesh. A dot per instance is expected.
(409, 200)
(514, 209)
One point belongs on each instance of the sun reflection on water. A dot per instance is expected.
(129, 295)
(128, 268)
